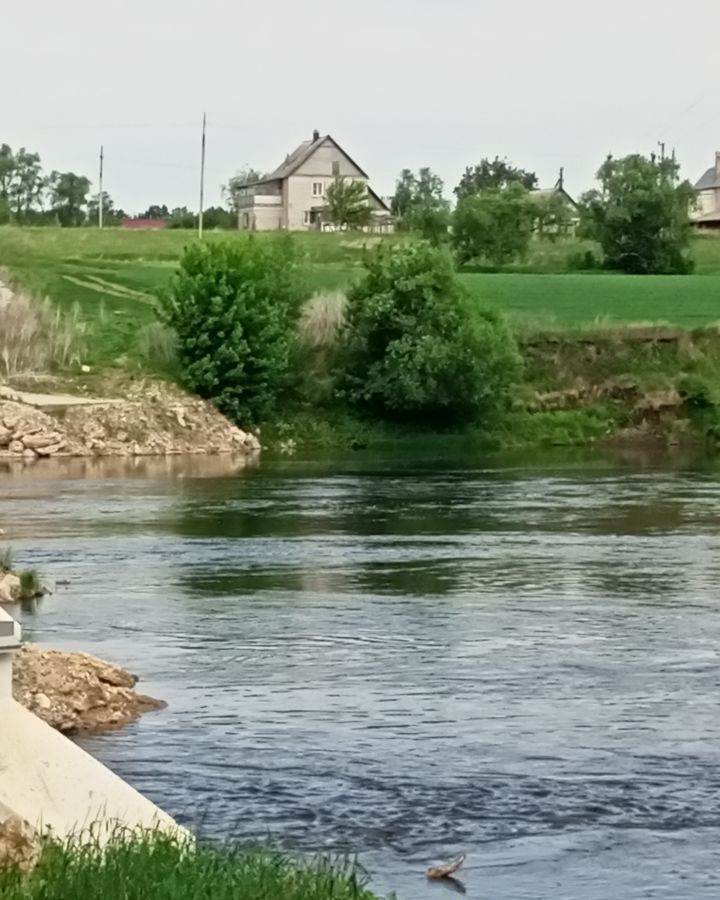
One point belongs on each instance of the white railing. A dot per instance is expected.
(10, 640)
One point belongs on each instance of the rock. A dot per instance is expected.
(74, 692)
(16, 448)
(19, 845)
(42, 701)
(29, 454)
(85, 369)
(41, 439)
(52, 450)
(5, 435)
(9, 588)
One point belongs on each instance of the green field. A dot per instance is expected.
(113, 277)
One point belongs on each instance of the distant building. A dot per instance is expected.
(293, 197)
(568, 218)
(144, 223)
(707, 190)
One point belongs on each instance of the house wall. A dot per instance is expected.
(319, 168)
(708, 201)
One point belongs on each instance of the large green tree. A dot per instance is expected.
(641, 215)
(495, 173)
(68, 196)
(419, 205)
(346, 203)
(493, 227)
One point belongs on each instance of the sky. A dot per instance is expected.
(398, 83)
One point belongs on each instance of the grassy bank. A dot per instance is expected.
(159, 868)
(113, 277)
(576, 329)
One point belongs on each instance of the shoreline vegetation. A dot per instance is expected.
(606, 358)
(156, 866)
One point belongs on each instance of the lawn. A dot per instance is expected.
(571, 300)
(113, 276)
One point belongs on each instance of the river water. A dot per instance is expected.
(409, 658)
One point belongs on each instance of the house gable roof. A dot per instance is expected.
(543, 193)
(711, 179)
(302, 154)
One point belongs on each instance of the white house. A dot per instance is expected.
(293, 197)
(707, 190)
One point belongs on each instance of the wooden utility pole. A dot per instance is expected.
(100, 195)
(202, 179)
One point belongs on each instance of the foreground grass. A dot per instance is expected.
(160, 868)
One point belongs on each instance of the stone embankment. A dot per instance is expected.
(77, 693)
(151, 420)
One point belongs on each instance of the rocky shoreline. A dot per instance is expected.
(152, 419)
(76, 693)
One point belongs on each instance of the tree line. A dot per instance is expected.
(639, 214)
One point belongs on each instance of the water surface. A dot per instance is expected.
(409, 658)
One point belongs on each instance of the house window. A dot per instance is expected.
(336, 169)
(317, 188)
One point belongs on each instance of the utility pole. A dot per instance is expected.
(661, 145)
(100, 196)
(202, 179)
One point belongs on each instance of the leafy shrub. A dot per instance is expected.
(494, 226)
(413, 349)
(583, 261)
(234, 307)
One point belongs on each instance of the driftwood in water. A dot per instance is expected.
(445, 870)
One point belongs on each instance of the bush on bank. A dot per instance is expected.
(234, 308)
(413, 350)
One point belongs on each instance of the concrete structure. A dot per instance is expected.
(707, 190)
(49, 782)
(292, 198)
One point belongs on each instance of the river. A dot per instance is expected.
(408, 657)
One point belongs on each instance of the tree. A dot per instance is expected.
(7, 170)
(347, 203)
(155, 212)
(497, 173)
(413, 350)
(111, 216)
(68, 197)
(495, 226)
(234, 307)
(231, 190)
(419, 205)
(641, 216)
(26, 186)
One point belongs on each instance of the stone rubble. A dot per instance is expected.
(152, 420)
(77, 693)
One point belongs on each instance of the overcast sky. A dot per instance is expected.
(398, 83)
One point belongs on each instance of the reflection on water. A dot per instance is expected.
(410, 659)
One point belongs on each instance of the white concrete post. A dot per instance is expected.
(10, 639)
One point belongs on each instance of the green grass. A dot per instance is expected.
(160, 868)
(115, 275)
(570, 300)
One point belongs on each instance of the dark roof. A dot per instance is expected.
(300, 155)
(711, 179)
(551, 192)
(379, 199)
